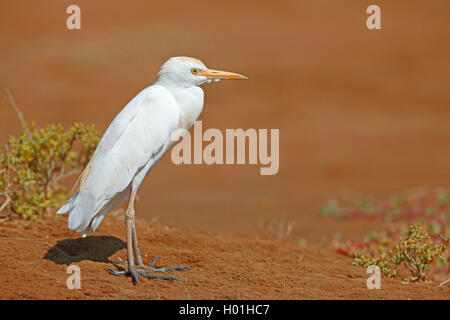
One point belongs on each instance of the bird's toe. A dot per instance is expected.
(134, 274)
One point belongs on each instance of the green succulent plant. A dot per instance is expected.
(416, 251)
(33, 165)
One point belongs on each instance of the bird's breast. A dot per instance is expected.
(190, 102)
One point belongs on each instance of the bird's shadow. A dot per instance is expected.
(93, 248)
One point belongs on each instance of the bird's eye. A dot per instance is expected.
(194, 71)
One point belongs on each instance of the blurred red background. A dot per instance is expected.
(358, 109)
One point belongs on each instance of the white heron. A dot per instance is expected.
(133, 143)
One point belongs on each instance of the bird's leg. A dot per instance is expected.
(137, 252)
(133, 247)
(129, 221)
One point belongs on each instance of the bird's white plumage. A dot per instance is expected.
(136, 139)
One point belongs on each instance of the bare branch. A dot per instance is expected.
(8, 97)
(66, 175)
(444, 283)
(5, 194)
(7, 201)
(7, 165)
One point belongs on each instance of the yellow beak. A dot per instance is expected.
(217, 74)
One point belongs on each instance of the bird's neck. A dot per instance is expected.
(189, 100)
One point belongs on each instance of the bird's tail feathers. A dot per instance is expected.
(108, 207)
(68, 206)
(82, 212)
(85, 212)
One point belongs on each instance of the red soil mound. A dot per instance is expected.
(35, 256)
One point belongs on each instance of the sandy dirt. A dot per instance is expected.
(224, 266)
(357, 109)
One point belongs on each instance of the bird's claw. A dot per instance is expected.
(135, 272)
(171, 269)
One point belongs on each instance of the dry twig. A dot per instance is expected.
(8, 97)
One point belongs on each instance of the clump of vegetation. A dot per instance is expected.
(416, 251)
(33, 165)
(35, 162)
(417, 226)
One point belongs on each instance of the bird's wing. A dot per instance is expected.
(112, 134)
(136, 135)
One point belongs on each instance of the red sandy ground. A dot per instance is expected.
(35, 256)
(357, 109)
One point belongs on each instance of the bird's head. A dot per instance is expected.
(187, 72)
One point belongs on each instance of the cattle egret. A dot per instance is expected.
(133, 143)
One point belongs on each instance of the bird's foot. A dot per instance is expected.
(135, 272)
